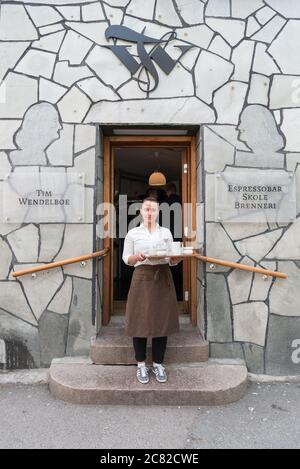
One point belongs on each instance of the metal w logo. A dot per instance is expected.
(147, 59)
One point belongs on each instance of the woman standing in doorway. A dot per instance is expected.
(151, 308)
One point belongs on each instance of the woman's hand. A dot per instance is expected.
(136, 258)
(176, 259)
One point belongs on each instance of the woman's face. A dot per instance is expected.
(149, 211)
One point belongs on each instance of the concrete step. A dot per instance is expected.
(211, 383)
(112, 347)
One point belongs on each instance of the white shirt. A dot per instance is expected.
(140, 239)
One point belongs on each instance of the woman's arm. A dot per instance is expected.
(128, 249)
(128, 252)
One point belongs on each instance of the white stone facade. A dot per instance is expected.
(58, 84)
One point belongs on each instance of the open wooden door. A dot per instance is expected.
(188, 175)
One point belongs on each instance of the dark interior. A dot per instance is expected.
(133, 167)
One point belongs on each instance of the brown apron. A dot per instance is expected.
(151, 308)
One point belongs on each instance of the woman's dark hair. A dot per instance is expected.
(151, 199)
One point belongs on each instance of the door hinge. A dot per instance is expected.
(185, 168)
(186, 295)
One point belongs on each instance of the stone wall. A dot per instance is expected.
(239, 81)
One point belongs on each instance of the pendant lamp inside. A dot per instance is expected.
(157, 179)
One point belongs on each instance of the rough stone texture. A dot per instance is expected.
(285, 46)
(21, 342)
(219, 244)
(250, 322)
(288, 247)
(284, 91)
(211, 384)
(242, 9)
(5, 259)
(61, 301)
(211, 72)
(263, 61)
(20, 93)
(74, 48)
(80, 322)
(254, 356)
(229, 101)
(232, 30)
(257, 247)
(15, 24)
(43, 15)
(259, 89)
(226, 350)
(57, 76)
(67, 75)
(51, 238)
(270, 30)
(37, 63)
(50, 42)
(10, 52)
(74, 106)
(217, 8)
(219, 327)
(261, 285)
(142, 10)
(220, 47)
(192, 12)
(290, 121)
(51, 92)
(178, 110)
(242, 59)
(239, 282)
(40, 289)
(218, 153)
(85, 137)
(53, 331)
(79, 235)
(290, 9)
(165, 13)
(97, 91)
(85, 163)
(24, 243)
(282, 344)
(284, 296)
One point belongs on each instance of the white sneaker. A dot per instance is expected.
(160, 373)
(142, 374)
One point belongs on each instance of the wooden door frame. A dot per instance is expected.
(189, 182)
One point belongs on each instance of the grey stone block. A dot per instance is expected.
(53, 331)
(80, 323)
(218, 309)
(281, 345)
(254, 357)
(226, 350)
(21, 342)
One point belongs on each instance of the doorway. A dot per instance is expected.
(128, 163)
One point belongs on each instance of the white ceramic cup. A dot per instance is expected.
(176, 248)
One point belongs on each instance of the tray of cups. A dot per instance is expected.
(160, 256)
(185, 252)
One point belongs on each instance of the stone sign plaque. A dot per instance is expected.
(255, 196)
(47, 196)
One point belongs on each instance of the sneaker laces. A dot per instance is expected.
(159, 369)
(142, 370)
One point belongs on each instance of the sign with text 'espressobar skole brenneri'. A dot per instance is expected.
(255, 195)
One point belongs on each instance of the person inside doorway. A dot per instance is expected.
(151, 307)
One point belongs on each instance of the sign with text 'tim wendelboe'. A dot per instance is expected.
(255, 195)
(46, 196)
